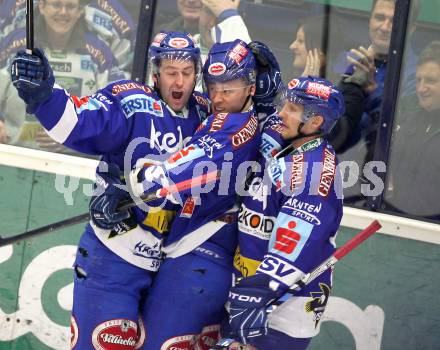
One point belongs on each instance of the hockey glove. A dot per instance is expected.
(33, 77)
(269, 81)
(108, 192)
(248, 303)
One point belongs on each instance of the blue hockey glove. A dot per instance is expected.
(33, 77)
(248, 302)
(107, 195)
(269, 81)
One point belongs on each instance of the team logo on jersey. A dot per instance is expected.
(141, 103)
(115, 334)
(318, 302)
(319, 90)
(246, 133)
(327, 173)
(179, 43)
(238, 53)
(293, 83)
(216, 69)
(182, 342)
(73, 332)
(255, 224)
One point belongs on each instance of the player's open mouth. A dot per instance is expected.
(177, 95)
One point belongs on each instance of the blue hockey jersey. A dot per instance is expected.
(287, 226)
(126, 123)
(226, 142)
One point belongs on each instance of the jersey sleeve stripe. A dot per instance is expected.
(65, 125)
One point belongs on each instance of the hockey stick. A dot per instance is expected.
(29, 26)
(223, 344)
(124, 205)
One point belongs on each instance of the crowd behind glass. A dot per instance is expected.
(90, 43)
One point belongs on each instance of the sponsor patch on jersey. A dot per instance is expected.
(210, 145)
(182, 342)
(115, 334)
(217, 123)
(145, 250)
(293, 83)
(141, 103)
(296, 176)
(187, 154)
(118, 88)
(170, 142)
(102, 21)
(64, 67)
(268, 147)
(179, 43)
(290, 236)
(246, 266)
(73, 332)
(276, 170)
(208, 338)
(188, 208)
(201, 100)
(254, 223)
(280, 269)
(246, 133)
(318, 302)
(159, 219)
(319, 90)
(216, 69)
(327, 173)
(303, 210)
(238, 53)
(96, 53)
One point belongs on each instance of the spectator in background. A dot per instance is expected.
(413, 182)
(108, 19)
(311, 54)
(220, 22)
(363, 83)
(186, 21)
(80, 60)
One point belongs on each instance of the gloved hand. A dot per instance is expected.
(269, 81)
(33, 77)
(248, 303)
(107, 195)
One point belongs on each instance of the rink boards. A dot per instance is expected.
(385, 295)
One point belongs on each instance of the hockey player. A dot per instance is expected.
(287, 225)
(114, 267)
(192, 285)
